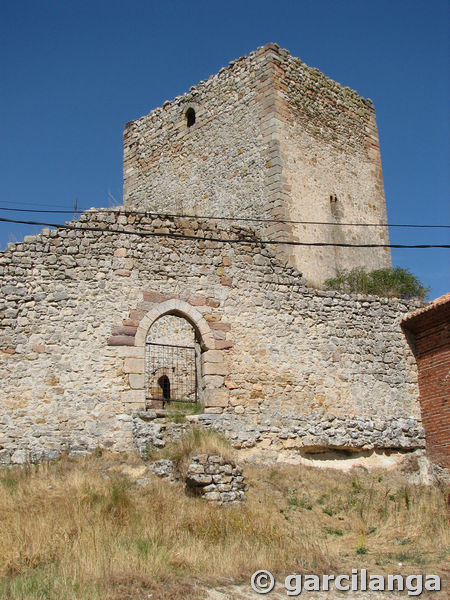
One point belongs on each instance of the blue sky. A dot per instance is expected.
(73, 73)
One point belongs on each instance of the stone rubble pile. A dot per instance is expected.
(216, 479)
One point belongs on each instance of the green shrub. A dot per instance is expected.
(397, 282)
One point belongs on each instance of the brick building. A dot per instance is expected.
(428, 331)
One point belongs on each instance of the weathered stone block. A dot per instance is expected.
(214, 496)
(133, 365)
(214, 369)
(223, 344)
(119, 330)
(215, 398)
(19, 457)
(212, 356)
(121, 340)
(212, 381)
(157, 297)
(196, 300)
(5, 457)
(136, 381)
(136, 397)
(130, 352)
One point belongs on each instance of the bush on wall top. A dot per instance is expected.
(391, 283)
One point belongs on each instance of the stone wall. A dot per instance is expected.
(280, 362)
(331, 169)
(273, 139)
(216, 479)
(217, 166)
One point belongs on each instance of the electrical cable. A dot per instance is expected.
(255, 241)
(213, 218)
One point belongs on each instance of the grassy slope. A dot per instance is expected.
(82, 529)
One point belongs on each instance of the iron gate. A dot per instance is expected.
(171, 373)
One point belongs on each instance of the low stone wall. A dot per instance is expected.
(216, 479)
(317, 431)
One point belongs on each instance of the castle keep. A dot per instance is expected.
(270, 139)
(126, 311)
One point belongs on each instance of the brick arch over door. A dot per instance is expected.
(180, 309)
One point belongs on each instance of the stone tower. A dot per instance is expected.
(267, 138)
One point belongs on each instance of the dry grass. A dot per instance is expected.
(81, 530)
(197, 441)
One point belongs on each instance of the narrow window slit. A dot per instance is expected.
(190, 117)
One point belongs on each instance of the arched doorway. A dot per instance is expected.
(172, 355)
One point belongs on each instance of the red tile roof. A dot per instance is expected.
(436, 309)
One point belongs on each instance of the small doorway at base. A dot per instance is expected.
(164, 384)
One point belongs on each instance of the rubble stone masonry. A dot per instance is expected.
(273, 139)
(280, 363)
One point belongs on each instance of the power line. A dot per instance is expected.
(214, 218)
(220, 240)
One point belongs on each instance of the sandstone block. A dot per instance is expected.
(214, 369)
(213, 317)
(130, 352)
(136, 381)
(212, 356)
(212, 302)
(121, 340)
(135, 397)
(223, 344)
(220, 326)
(212, 381)
(137, 315)
(196, 300)
(124, 330)
(156, 297)
(215, 398)
(133, 365)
